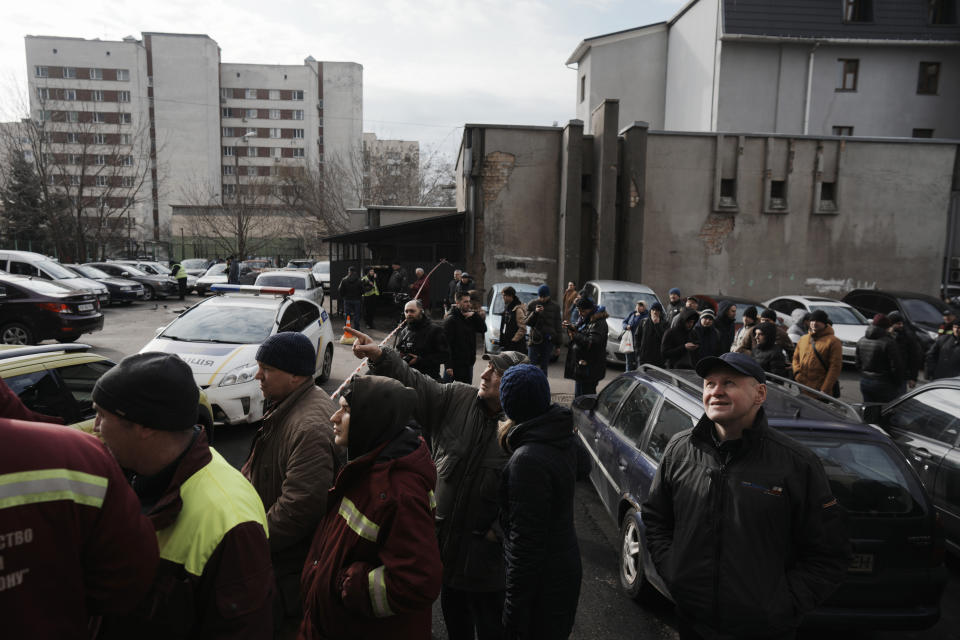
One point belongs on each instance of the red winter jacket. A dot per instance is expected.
(72, 541)
(374, 568)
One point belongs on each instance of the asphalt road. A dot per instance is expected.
(603, 612)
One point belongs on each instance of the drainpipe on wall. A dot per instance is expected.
(806, 105)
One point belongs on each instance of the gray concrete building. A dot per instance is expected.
(754, 215)
(874, 68)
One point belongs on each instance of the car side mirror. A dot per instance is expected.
(871, 412)
(585, 403)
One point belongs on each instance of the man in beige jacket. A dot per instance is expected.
(293, 461)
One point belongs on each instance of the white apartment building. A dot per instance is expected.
(201, 127)
(391, 170)
(870, 68)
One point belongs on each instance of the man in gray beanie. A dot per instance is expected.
(210, 524)
(293, 461)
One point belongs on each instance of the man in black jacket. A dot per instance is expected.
(422, 342)
(461, 327)
(741, 522)
(351, 292)
(910, 352)
(543, 318)
(879, 362)
(943, 358)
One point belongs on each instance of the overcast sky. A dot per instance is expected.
(429, 66)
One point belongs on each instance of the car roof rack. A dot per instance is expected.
(43, 348)
(670, 377)
(796, 389)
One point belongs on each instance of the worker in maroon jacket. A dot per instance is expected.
(72, 541)
(374, 568)
(215, 579)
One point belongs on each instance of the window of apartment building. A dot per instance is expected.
(123, 75)
(69, 72)
(69, 94)
(74, 181)
(857, 10)
(125, 138)
(101, 181)
(229, 189)
(96, 74)
(583, 87)
(126, 118)
(274, 94)
(41, 72)
(99, 138)
(252, 152)
(276, 152)
(943, 11)
(843, 131)
(274, 114)
(250, 132)
(123, 96)
(74, 158)
(298, 114)
(298, 152)
(99, 117)
(296, 94)
(100, 159)
(929, 78)
(99, 202)
(96, 95)
(72, 137)
(226, 93)
(923, 133)
(126, 181)
(226, 112)
(251, 172)
(227, 132)
(275, 133)
(251, 113)
(298, 133)
(43, 93)
(73, 116)
(228, 169)
(228, 151)
(126, 161)
(849, 69)
(251, 94)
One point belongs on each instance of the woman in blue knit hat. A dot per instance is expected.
(537, 486)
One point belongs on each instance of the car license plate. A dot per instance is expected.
(861, 563)
(85, 307)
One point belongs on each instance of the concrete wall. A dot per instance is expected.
(342, 109)
(691, 59)
(762, 87)
(888, 231)
(633, 70)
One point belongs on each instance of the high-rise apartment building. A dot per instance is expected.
(196, 131)
(391, 171)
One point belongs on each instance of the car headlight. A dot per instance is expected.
(239, 375)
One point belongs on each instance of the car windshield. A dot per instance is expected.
(322, 267)
(281, 281)
(55, 269)
(222, 323)
(218, 269)
(132, 270)
(161, 269)
(867, 478)
(90, 272)
(841, 315)
(922, 311)
(525, 297)
(620, 304)
(194, 263)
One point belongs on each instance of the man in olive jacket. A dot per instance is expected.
(293, 461)
(741, 522)
(460, 422)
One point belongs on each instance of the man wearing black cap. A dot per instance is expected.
(909, 348)
(460, 422)
(293, 460)
(740, 520)
(351, 292)
(943, 358)
(543, 318)
(214, 578)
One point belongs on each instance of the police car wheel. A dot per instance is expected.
(327, 365)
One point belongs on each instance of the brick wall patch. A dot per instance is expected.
(714, 231)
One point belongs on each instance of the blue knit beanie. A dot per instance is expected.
(674, 291)
(289, 351)
(543, 291)
(524, 392)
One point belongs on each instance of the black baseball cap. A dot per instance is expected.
(739, 362)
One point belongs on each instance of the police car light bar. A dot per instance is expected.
(251, 289)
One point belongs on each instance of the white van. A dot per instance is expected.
(28, 263)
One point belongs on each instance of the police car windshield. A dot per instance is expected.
(229, 324)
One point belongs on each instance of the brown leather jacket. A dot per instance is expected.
(807, 368)
(292, 465)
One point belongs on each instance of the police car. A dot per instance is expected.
(219, 338)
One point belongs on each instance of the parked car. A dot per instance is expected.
(714, 302)
(219, 337)
(896, 575)
(620, 299)
(921, 312)
(301, 263)
(154, 286)
(257, 264)
(27, 263)
(321, 271)
(849, 325)
(196, 267)
(121, 290)
(58, 380)
(154, 268)
(494, 307)
(217, 274)
(33, 309)
(302, 282)
(925, 424)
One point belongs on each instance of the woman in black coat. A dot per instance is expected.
(537, 487)
(586, 362)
